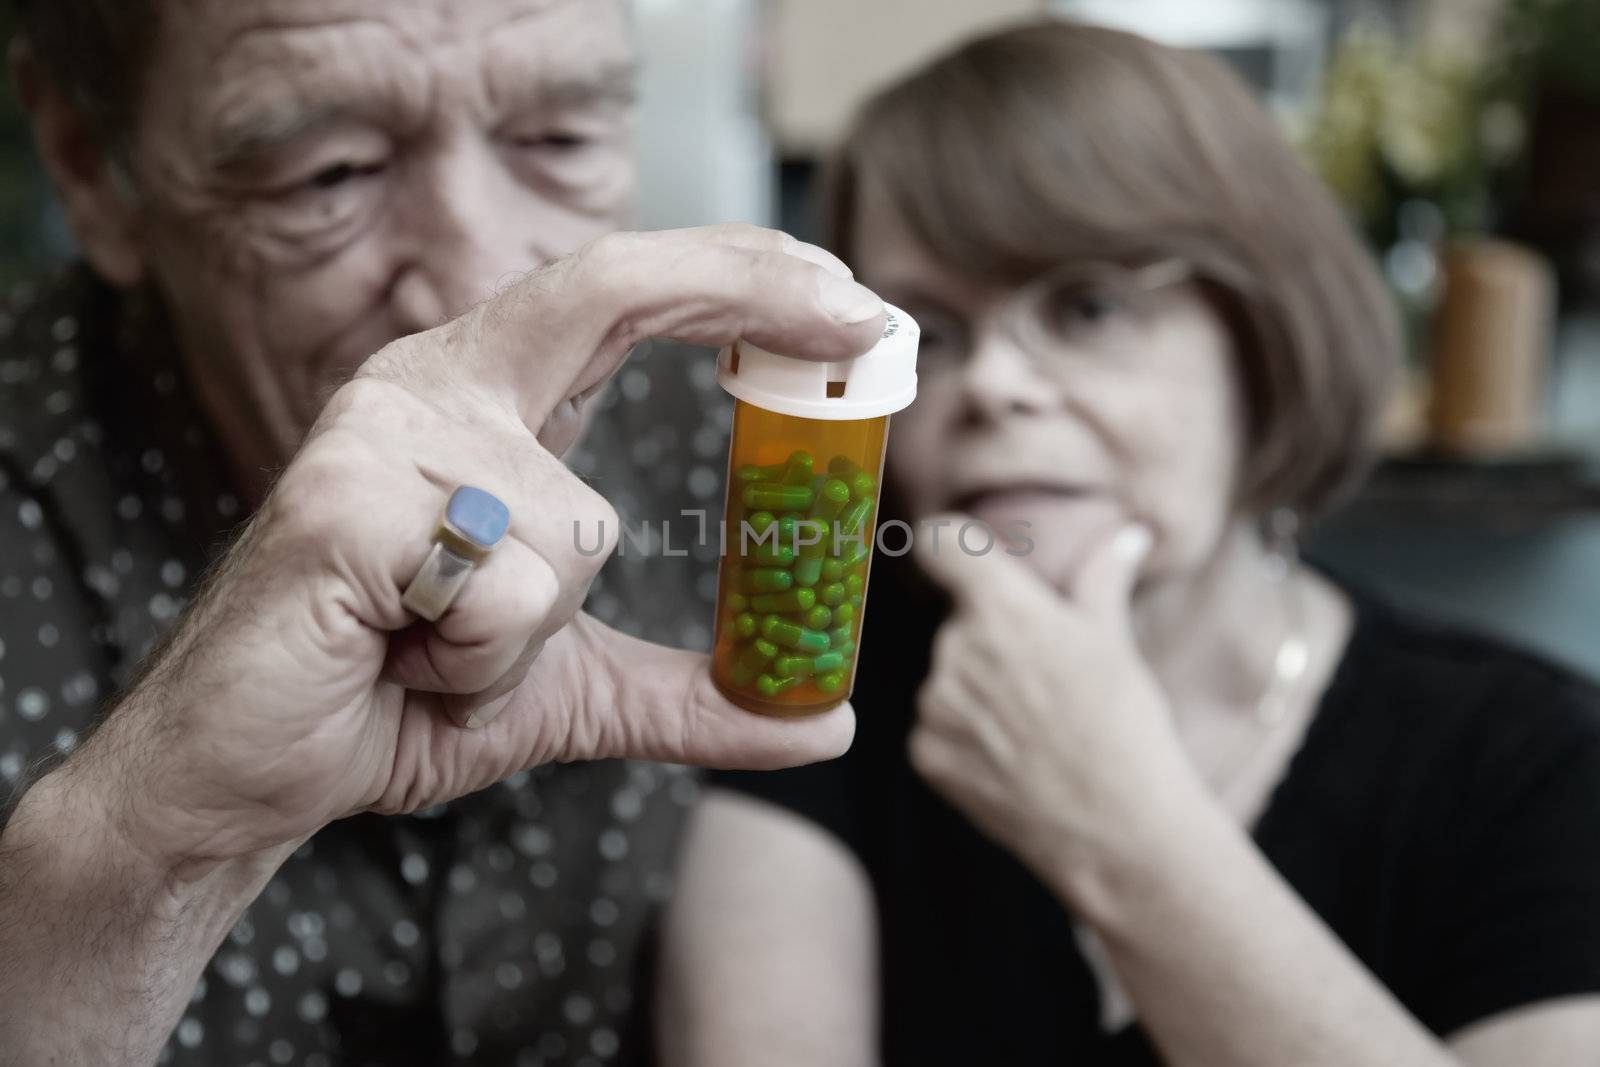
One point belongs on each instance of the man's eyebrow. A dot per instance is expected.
(256, 132)
(614, 83)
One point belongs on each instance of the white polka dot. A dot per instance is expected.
(602, 953)
(172, 573)
(315, 949)
(313, 1006)
(30, 514)
(635, 384)
(405, 933)
(464, 1042)
(66, 449)
(64, 329)
(32, 703)
(122, 561)
(542, 874)
(172, 509)
(704, 482)
(258, 1002)
(162, 607)
(578, 1009)
(11, 765)
(57, 403)
(281, 1051)
(44, 468)
(152, 460)
(547, 946)
(42, 588)
(604, 1042)
(613, 845)
(703, 373)
(413, 868)
(49, 635)
(199, 993)
(66, 740)
(603, 912)
(533, 840)
(462, 879)
(509, 975)
(65, 361)
(130, 507)
(627, 804)
(347, 982)
(285, 960)
(190, 1032)
(80, 689)
(237, 968)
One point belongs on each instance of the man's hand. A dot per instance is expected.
(298, 690)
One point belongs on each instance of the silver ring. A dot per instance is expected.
(473, 523)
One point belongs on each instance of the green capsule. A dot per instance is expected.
(744, 626)
(756, 655)
(774, 496)
(737, 602)
(830, 683)
(750, 472)
(832, 571)
(856, 554)
(831, 499)
(773, 554)
(766, 580)
(794, 666)
(768, 686)
(796, 600)
(860, 482)
(832, 594)
(810, 539)
(798, 470)
(856, 601)
(844, 614)
(847, 649)
(761, 520)
(854, 519)
(828, 661)
(782, 632)
(818, 617)
(854, 584)
(808, 571)
(840, 634)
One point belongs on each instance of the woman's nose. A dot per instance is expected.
(1000, 379)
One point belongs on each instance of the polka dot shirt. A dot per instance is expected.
(510, 927)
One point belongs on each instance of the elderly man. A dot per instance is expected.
(281, 205)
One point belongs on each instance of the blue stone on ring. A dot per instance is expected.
(478, 515)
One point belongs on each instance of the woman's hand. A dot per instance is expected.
(1040, 719)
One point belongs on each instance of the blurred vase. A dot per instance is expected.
(1490, 347)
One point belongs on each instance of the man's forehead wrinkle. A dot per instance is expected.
(271, 85)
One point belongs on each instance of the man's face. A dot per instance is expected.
(320, 177)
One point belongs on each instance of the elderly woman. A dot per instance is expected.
(1151, 791)
(280, 203)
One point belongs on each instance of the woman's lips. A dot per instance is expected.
(1063, 524)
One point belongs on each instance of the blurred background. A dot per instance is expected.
(1463, 136)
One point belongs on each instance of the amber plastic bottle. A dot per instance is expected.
(804, 475)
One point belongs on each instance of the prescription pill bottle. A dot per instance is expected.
(804, 472)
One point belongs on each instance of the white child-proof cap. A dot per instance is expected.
(879, 382)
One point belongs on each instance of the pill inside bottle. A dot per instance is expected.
(804, 473)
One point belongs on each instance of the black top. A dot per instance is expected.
(1442, 816)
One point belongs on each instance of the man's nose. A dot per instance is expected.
(470, 227)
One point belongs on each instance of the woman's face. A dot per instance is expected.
(1124, 410)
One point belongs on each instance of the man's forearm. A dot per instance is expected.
(100, 943)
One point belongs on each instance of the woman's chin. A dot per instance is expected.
(1063, 528)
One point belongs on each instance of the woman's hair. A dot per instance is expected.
(1055, 141)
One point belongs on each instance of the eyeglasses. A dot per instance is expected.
(1094, 308)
